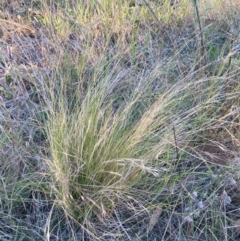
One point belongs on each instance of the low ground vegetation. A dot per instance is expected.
(119, 120)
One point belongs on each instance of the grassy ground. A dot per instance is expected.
(119, 120)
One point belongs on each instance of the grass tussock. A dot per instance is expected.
(119, 120)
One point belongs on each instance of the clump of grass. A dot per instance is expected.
(99, 146)
(106, 144)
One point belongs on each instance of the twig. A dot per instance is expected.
(166, 32)
(155, 16)
(203, 51)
